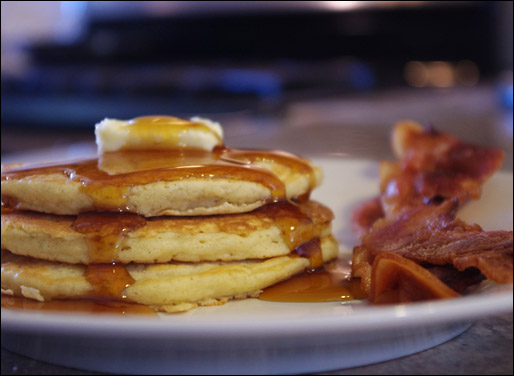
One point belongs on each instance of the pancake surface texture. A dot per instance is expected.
(165, 216)
(231, 182)
(167, 287)
(260, 234)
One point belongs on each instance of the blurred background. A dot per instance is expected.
(306, 76)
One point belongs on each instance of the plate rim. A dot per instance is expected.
(373, 318)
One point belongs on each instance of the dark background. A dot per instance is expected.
(240, 60)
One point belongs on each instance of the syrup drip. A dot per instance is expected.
(109, 281)
(298, 230)
(312, 251)
(107, 179)
(105, 233)
(162, 132)
(330, 284)
(77, 306)
(310, 287)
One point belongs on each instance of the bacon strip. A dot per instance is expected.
(397, 279)
(433, 166)
(414, 219)
(365, 215)
(432, 234)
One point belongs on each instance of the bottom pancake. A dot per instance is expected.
(172, 287)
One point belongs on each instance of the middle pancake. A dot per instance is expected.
(273, 230)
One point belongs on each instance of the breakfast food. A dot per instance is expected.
(166, 216)
(413, 246)
(432, 167)
(167, 287)
(262, 233)
(162, 181)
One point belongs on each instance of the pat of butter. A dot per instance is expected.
(157, 133)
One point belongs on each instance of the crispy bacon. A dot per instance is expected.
(411, 230)
(432, 234)
(433, 166)
(365, 215)
(396, 279)
(426, 149)
(458, 281)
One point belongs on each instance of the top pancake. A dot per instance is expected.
(180, 182)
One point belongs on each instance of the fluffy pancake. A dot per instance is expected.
(272, 230)
(166, 216)
(153, 183)
(168, 287)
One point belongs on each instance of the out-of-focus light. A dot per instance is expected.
(341, 5)
(441, 74)
(361, 76)
(467, 73)
(416, 74)
(250, 81)
(351, 5)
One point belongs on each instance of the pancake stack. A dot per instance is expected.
(166, 216)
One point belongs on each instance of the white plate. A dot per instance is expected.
(257, 337)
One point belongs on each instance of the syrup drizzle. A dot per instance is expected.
(109, 281)
(105, 233)
(162, 132)
(107, 179)
(77, 306)
(329, 284)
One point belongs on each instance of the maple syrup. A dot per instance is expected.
(77, 306)
(329, 284)
(105, 233)
(106, 223)
(107, 179)
(162, 132)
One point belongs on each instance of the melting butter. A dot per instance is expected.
(157, 133)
